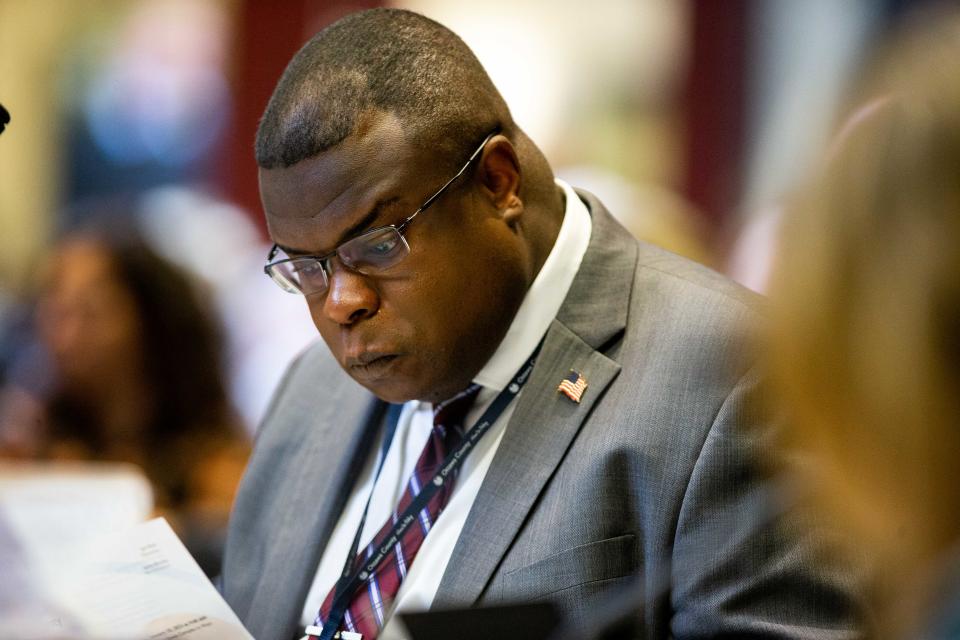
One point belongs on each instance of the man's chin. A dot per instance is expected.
(394, 394)
(400, 389)
(394, 379)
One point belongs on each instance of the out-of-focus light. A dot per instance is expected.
(162, 95)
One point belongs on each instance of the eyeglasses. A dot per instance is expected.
(369, 253)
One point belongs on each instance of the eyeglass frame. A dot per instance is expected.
(324, 259)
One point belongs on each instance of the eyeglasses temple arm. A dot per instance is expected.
(463, 169)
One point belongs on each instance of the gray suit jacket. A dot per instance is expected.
(654, 474)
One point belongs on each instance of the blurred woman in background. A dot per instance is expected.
(866, 343)
(136, 377)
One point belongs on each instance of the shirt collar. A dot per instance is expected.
(544, 297)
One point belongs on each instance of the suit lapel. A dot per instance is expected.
(545, 422)
(539, 432)
(337, 438)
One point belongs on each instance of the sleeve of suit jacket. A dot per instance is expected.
(747, 563)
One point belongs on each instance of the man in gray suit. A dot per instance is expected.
(440, 259)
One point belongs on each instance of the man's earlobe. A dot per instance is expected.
(514, 210)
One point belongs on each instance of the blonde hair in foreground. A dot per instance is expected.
(866, 339)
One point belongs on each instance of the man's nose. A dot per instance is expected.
(350, 296)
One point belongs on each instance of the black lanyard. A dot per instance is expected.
(351, 579)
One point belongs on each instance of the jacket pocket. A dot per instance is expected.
(592, 562)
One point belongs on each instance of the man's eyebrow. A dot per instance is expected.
(353, 231)
(367, 220)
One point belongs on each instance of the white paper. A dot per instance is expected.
(54, 509)
(49, 513)
(144, 584)
(26, 611)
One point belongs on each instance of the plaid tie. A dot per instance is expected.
(370, 605)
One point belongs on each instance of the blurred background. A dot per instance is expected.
(129, 154)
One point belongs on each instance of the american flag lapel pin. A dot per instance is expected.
(573, 386)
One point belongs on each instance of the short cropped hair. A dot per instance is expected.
(389, 60)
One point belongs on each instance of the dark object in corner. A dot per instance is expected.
(4, 118)
(529, 621)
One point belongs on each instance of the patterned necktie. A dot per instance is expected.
(371, 603)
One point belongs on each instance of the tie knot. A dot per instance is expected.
(450, 413)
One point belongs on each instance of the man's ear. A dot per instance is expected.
(500, 176)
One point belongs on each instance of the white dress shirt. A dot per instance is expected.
(538, 309)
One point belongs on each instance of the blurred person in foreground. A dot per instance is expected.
(451, 275)
(134, 376)
(867, 334)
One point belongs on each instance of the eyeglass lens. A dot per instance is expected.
(369, 253)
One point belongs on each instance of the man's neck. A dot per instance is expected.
(547, 220)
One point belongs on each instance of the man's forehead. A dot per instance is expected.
(356, 172)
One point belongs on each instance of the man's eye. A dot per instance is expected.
(383, 247)
(308, 268)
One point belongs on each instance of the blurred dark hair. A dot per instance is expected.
(182, 354)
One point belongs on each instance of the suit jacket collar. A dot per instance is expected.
(596, 307)
(593, 315)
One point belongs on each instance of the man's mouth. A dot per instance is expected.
(371, 366)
